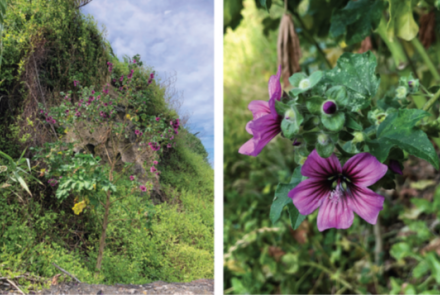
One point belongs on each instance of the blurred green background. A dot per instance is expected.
(399, 256)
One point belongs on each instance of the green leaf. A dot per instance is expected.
(379, 148)
(358, 19)
(334, 122)
(295, 217)
(281, 199)
(434, 265)
(266, 4)
(290, 125)
(420, 269)
(325, 151)
(296, 78)
(353, 124)
(400, 250)
(339, 95)
(399, 129)
(314, 104)
(357, 72)
(402, 21)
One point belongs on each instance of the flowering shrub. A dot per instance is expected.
(125, 119)
(330, 117)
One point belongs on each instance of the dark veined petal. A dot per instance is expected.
(275, 91)
(366, 203)
(335, 214)
(264, 129)
(317, 167)
(308, 195)
(364, 169)
(259, 108)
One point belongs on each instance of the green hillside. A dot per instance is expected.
(90, 147)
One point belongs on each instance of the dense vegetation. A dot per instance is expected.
(59, 198)
(400, 254)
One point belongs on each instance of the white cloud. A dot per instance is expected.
(172, 36)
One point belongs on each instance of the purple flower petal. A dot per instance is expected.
(394, 166)
(275, 91)
(264, 129)
(366, 203)
(335, 213)
(308, 195)
(364, 169)
(259, 108)
(317, 167)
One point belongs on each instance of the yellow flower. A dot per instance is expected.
(60, 153)
(128, 116)
(79, 207)
(66, 130)
(94, 186)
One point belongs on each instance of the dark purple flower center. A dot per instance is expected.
(329, 107)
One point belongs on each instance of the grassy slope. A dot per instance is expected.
(37, 231)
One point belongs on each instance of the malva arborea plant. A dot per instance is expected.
(121, 116)
(346, 140)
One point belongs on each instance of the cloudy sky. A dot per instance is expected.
(175, 37)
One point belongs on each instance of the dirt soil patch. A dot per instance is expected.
(202, 286)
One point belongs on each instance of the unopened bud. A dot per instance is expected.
(304, 84)
(329, 107)
(401, 92)
(358, 137)
(323, 139)
(290, 115)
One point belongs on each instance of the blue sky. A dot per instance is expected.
(175, 37)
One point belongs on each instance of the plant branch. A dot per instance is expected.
(421, 50)
(431, 101)
(66, 272)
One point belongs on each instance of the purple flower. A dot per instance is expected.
(172, 137)
(296, 143)
(154, 146)
(395, 167)
(329, 107)
(110, 66)
(143, 188)
(157, 119)
(41, 111)
(52, 182)
(169, 145)
(339, 191)
(153, 169)
(122, 78)
(266, 123)
(155, 162)
(171, 123)
(93, 91)
(134, 61)
(78, 114)
(75, 83)
(131, 177)
(137, 132)
(131, 74)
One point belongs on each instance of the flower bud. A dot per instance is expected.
(358, 137)
(401, 92)
(329, 107)
(323, 139)
(304, 84)
(290, 115)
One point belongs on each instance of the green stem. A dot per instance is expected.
(332, 275)
(421, 50)
(312, 40)
(394, 47)
(431, 101)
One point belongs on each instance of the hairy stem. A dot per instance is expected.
(431, 101)
(421, 50)
(394, 47)
(378, 248)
